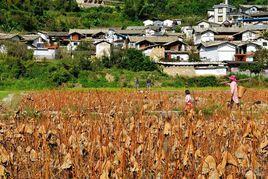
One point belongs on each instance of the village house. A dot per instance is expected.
(221, 12)
(245, 51)
(204, 36)
(262, 41)
(155, 52)
(34, 41)
(203, 24)
(247, 35)
(135, 41)
(8, 37)
(60, 38)
(75, 38)
(11, 37)
(252, 9)
(103, 49)
(217, 51)
(148, 23)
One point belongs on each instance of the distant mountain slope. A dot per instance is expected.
(60, 15)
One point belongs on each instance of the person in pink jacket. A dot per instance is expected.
(234, 92)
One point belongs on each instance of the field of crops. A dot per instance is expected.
(123, 134)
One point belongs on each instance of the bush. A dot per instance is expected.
(203, 81)
(60, 76)
(18, 49)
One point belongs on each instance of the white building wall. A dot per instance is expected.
(45, 53)
(223, 14)
(248, 36)
(208, 54)
(226, 52)
(211, 71)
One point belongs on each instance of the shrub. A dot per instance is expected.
(18, 49)
(60, 76)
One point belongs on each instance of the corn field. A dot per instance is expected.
(122, 134)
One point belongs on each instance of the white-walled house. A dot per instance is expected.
(217, 51)
(246, 50)
(203, 24)
(204, 36)
(103, 49)
(249, 35)
(246, 35)
(168, 23)
(263, 42)
(34, 41)
(148, 22)
(188, 31)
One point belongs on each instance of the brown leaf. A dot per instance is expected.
(33, 155)
(250, 175)
(67, 162)
(208, 165)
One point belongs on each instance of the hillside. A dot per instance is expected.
(60, 15)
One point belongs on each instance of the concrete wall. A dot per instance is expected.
(45, 53)
(181, 71)
(191, 71)
(206, 72)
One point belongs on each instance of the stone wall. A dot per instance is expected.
(181, 71)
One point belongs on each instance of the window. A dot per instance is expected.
(220, 18)
(220, 10)
(75, 43)
(40, 45)
(202, 26)
(264, 44)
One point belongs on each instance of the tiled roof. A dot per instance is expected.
(154, 39)
(30, 37)
(4, 36)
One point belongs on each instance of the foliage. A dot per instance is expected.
(60, 15)
(261, 57)
(130, 59)
(17, 49)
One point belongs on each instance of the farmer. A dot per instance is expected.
(137, 83)
(148, 84)
(188, 101)
(234, 92)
